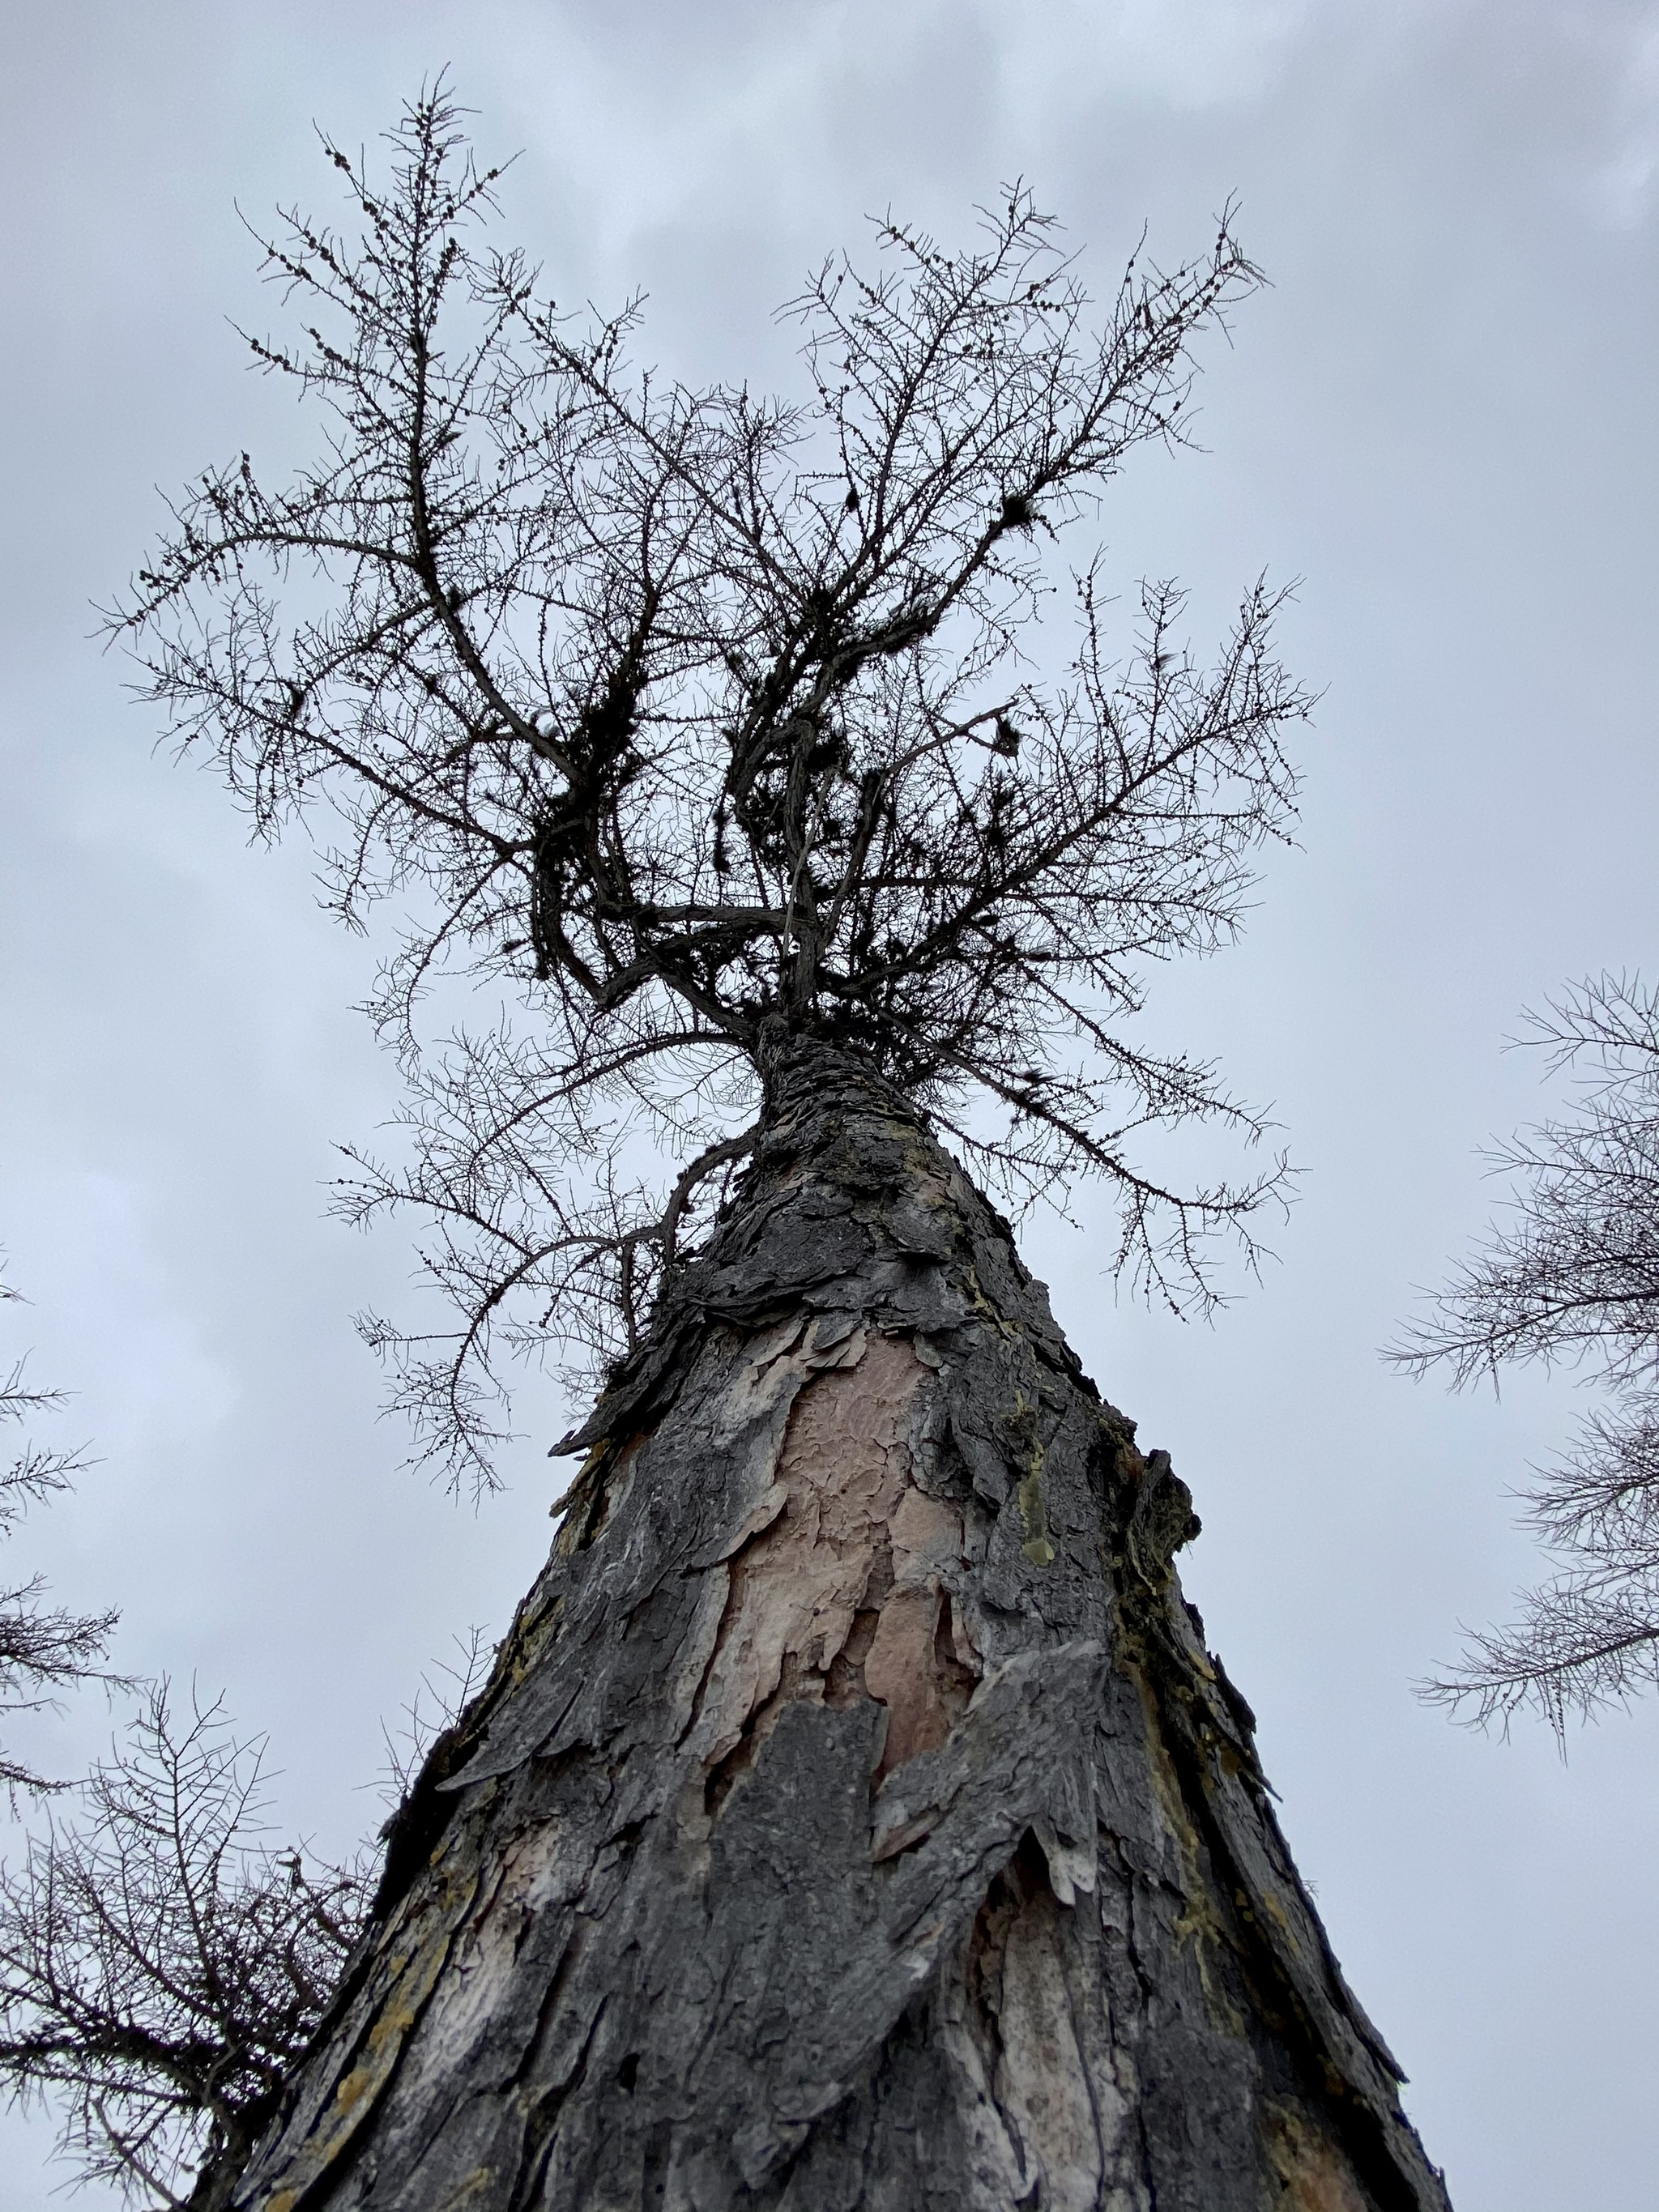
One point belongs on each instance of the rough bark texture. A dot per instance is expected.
(855, 1822)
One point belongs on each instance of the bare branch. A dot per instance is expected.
(161, 1966)
(42, 1649)
(688, 722)
(1573, 1276)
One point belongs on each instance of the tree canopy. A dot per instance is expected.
(684, 721)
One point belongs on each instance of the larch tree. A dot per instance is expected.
(853, 1816)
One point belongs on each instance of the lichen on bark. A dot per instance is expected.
(854, 1818)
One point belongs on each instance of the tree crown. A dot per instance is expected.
(692, 721)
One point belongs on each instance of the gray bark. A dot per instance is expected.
(855, 1822)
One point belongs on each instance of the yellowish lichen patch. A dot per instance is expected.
(1034, 1520)
(354, 2085)
(475, 2183)
(413, 1975)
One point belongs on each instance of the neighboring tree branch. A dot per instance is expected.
(1574, 1277)
(42, 1649)
(161, 1967)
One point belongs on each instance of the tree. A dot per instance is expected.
(1574, 1278)
(162, 1966)
(696, 720)
(42, 1649)
(852, 1813)
(163, 1962)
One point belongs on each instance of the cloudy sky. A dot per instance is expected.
(1440, 418)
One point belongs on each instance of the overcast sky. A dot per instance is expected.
(1441, 418)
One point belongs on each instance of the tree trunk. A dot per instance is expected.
(854, 1818)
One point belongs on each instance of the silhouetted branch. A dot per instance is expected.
(1574, 1277)
(436, 1706)
(41, 1649)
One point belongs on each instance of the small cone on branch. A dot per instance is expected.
(854, 1818)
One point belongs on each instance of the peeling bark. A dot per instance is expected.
(855, 1821)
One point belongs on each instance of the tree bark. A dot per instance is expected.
(854, 1818)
